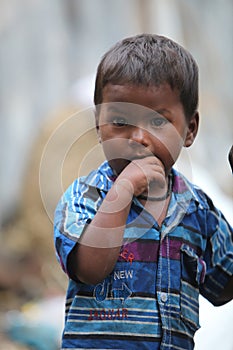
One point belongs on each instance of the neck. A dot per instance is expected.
(156, 198)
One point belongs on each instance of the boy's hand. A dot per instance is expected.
(144, 172)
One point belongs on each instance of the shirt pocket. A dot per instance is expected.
(192, 275)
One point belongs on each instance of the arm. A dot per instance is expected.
(227, 294)
(218, 284)
(94, 257)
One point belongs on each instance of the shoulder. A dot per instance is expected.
(87, 187)
(100, 178)
(198, 202)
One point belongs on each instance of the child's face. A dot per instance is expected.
(137, 122)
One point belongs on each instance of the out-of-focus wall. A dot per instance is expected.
(46, 46)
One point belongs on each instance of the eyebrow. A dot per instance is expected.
(163, 110)
(112, 108)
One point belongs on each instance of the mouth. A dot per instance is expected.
(145, 155)
(140, 155)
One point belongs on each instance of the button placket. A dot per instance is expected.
(163, 288)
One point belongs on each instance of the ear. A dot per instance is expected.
(97, 124)
(192, 130)
(96, 113)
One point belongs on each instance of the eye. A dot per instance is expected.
(158, 122)
(119, 121)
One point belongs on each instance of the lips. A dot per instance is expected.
(140, 155)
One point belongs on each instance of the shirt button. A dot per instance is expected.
(163, 297)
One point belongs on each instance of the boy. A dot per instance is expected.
(137, 240)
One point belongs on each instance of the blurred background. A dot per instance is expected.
(49, 52)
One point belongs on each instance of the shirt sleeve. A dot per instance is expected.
(74, 212)
(218, 255)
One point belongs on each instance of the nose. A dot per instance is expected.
(139, 136)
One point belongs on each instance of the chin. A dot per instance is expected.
(118, 165)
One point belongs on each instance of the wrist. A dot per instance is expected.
(118, 198)
(124, 184)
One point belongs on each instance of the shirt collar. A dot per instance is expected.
(101, 178)
(184, 192)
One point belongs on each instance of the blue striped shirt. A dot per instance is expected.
(150, 300)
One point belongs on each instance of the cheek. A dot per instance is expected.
(174, 146)
(170, 144)
(114, 148)
(115, 153)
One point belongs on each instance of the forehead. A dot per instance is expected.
(152, 97)
(131, 111)
(141, 99)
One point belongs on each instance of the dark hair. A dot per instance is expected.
(150, 60)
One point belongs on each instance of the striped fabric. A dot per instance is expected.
(150, 300)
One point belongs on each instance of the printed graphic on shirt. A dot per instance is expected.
(108, 314)
(117, 290)
(126, 255)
